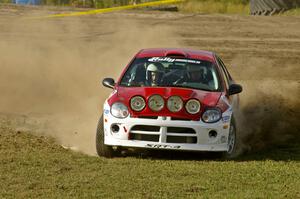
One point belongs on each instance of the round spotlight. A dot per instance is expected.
(175, 104)
(137, 103)
(156, 103)
(192, 106)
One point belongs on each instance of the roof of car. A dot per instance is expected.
(169, 52)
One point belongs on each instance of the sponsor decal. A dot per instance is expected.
(162, 146)
(171, 60)
(226, 119)
(106, 112)
(188, 61)
(161, 59)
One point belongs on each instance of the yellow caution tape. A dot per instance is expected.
(106, 10)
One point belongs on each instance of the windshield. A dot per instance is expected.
(174, 72)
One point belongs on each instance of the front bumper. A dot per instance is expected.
(166, 133)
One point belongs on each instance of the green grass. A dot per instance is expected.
(292, 12)
(215, 6)
(223, 7)
(36, 167)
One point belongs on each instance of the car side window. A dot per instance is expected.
(226, 71)
(223, 71)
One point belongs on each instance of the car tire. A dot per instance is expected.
(102, 149)
(233, 142)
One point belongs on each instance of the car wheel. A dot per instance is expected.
(102, 149)
(232, 142)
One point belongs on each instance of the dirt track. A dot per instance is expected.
(51, 68)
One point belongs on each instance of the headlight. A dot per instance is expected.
(137, 103)
(174, 104)
(119, 110)
(212, 115)
(156, 103)
(192, 106)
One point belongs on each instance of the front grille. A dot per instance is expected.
(145, 128)
(144, 137)
(182, 139)
(180, 130)
(173, 134)
(144, 133)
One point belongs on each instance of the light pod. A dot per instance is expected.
(193, 106)
(174, 104)
(137, 103)
(156, 103)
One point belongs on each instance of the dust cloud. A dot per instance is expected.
(269, 102)
(51, 71)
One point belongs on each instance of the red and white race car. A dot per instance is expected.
(172, 99)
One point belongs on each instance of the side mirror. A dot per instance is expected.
(108, 82)
(235, 89)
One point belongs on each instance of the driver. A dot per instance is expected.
(195, 73)
(154, 74)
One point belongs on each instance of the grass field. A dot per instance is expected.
(215, 6)
(292, 12)
(36, 167)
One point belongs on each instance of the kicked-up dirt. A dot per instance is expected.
(51, 69)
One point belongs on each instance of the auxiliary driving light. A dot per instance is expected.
(192, 106)
(137, 103)
(156, 103)
(175, 104)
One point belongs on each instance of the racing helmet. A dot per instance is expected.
(194, 69)
(156, 68)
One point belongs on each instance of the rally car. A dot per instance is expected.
(170, 99)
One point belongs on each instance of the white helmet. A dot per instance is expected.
(154, 67)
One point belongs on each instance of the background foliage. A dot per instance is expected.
(111, 3)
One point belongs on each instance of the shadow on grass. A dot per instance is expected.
(287, 152)
(283, 152)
